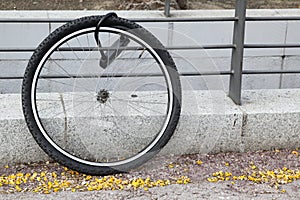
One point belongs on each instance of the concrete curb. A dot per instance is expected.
(210, 123)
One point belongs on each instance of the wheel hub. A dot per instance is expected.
(102, 96)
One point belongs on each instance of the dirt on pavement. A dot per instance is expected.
(265, 174)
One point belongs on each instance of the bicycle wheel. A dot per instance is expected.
(101, 120)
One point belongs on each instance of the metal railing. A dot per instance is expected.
(237, 46)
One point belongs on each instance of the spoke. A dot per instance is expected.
(139, 101)
(89, 107)
(80, 95)
(48, 100)
(145, 95)
(80, 60)
(134, 109)
(47, 108)
(86, 89)
(137, 110)
(74, 106)
(50, 59)
(68, 73)
(115, 70)
(88, 41)
(107, 78)
(145, 107)
(70, 76)
(135, 80)
(67, 109)
(61, 54)
(67, 100)
(81, 46)
(111, 107)
(55, 115)
(114, 120)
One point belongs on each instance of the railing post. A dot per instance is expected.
(167, 8)
(235, 86)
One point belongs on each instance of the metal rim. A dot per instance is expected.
(65, 153)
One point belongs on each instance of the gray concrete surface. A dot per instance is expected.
(210, 122)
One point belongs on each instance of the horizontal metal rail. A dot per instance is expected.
(266, 46)
(220, 46)
(207, 73)
(254, 72)
(170, 19)
(194, 47)
(271, 72)
(283, 18)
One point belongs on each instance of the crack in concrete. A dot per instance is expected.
(65, 119)
(244, 123)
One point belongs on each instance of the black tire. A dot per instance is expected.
(29, 97)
